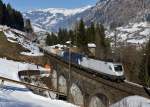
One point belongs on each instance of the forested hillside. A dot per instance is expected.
(81, 36)
(10, 17)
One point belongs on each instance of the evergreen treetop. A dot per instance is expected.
(10, 17)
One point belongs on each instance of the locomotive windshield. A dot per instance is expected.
(118, 68)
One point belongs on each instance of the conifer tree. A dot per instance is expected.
(63, 36)
(144, 75)
(81, 36)
(20, 23)
(51, 39)
(1, 11)
(48, 39)
(28, 26)
(11, 17)
(102, 44)
(5, 18)
(92, 33)
(98, 42)
(60, 36)
(72, 36)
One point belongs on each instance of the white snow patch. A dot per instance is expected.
(146, 32)
(48, 48)
(91, 45)
(135, 41)
(31, 54)
(133, 101)
(9, 34)
(12, 41)
(53, 22)
(129, 30)
(38, 29)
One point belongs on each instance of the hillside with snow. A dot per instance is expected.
(137, 34)
(21, 38)
(12, 94)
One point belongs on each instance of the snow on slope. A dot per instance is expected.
(13, 95)
(133, 101)
(134, 33)
(16, 36)
(37, 28)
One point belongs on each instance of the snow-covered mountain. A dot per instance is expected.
(116, 15)
(119, 12)
(129, 20)
(48, 19)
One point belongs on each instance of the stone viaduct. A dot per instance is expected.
(87, 89)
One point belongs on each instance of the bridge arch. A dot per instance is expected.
(76, 95)
(98, 100)
(54, 79)
(62, 84)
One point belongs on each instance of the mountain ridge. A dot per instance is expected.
(112, 14)
(48, 18)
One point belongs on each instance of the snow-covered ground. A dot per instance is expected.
(13, 95)
(37, 28)
(59, 46)
(16, 36)
(133, 101)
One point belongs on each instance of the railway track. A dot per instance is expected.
(30, 85)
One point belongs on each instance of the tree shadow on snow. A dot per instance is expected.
(12, 88)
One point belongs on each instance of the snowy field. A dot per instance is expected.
(13, 95)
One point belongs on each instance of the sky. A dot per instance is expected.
(24, 5)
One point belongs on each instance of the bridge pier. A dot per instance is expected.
(98, 100)
(76, 95)
(62, 84)
(54, 78)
